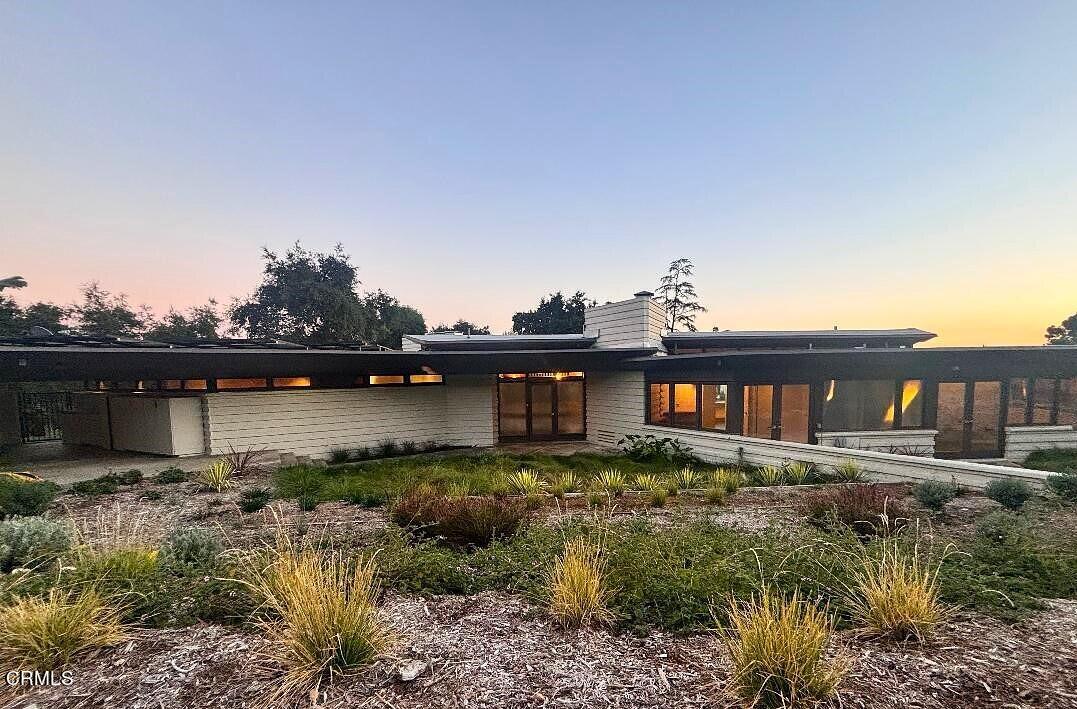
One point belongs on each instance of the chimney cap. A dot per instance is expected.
(643, 294)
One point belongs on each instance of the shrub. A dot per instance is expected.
(729, 479)
(409, 448)
(47, 633)
(255, 499)
(1058, 460)
(770, 475)
(191, 549)
(25, 541)
(362, 453)
(25, 498)
(1008, 492)
(431, 446)
(613, 481)
(103, 485)
(246, 461)
(647, 482)
(217, 476)
(848, 471)
(685, 478)
(933, 494)
(777, 648)
(128, 477)
(896, 593)
(797, 472)
(714, 495)
(1064, 485)
(308, 502)
(525, 482)
(563, 482)
(365, 498)
(866, 509)
(339, 455)
(659, 496)
(650, 448)
(459, 521)
(387, 448)
(170, 475)
(323, 618)
(597, 496)
(300, 481)
(576, 583)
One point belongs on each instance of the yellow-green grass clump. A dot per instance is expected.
(576, 583)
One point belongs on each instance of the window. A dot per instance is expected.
(1067, 402)
(194, 384)
(251, 383)
(658, 406)
(1043, 401)
(714, 411)
(382, 379)
(1017, 411)
(912, 403)
(858, 405)
(290, 382)
(425, 379)
(684, 405)
(758, 411)
(171, 384)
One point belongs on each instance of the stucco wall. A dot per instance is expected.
(615, 407)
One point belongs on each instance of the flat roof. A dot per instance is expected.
(458, 341)
(123, 363)
(792, 338)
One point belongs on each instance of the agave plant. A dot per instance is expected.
(565, 481)
(217, 476)
(526, 482)
(797, 472)
(686, 478)
(849, 471)
(648, 482)
(770, 475)
(613, 481)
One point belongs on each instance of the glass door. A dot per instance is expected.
(950, 420)
(969, 420)
(541, 406)
(984, 429)
(793, 419)
(542, 423)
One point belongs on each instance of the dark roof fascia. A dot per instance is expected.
(504, 345)
(777, 339)
(19, 363)
(944, 363)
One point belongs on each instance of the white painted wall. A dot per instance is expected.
(639, 322)
(87, 424)
(1022, 440)
(921, 440)
(314, 422)
(615, 407)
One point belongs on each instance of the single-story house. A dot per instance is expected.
(784, 394)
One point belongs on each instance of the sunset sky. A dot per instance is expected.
(854, 164)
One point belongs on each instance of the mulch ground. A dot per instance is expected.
(494, 650)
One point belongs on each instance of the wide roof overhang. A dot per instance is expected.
(73, 363)
(943, 363)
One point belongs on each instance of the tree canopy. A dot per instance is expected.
(678, 295)
(312, 297)
(555, 315)
(464, 327)
(1063, 334)
(200, 322)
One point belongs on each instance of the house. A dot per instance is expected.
(757, 395)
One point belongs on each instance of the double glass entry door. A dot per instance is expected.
(969, 420)
(540, 408)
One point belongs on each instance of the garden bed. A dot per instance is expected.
(472, 623)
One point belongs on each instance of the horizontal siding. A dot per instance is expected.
(314, 422)
(627, 323)
(615, 407)
(1022, 440)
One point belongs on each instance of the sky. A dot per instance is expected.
(858, 164)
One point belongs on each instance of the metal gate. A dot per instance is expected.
(39, 414)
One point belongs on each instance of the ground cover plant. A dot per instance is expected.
(933, 494)
(1011, 494)
(24, 498)
(1058, 460)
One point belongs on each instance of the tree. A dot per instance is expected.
(102, 313)
(555, 315)
(393, 319)
(1064, 334)
(306, 297)
(12, 282)
(200, 322)
(679, 296)
(463, 327)
(50, 316)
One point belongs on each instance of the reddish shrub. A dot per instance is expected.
(458, 521)
(866, 509)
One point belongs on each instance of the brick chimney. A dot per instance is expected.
(639, 322)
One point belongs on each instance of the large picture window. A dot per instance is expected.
(714, 413)
(858, 405)
(658, 403)
(684, 406)
(758, 411)
(1067, 402)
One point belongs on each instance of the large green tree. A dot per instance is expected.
(305, 297)
(678, 295)
(101, 313)
(199, 322)
(463, 327)
(555, 315)
(1063, 334)
(393, 319)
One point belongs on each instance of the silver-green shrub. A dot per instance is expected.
(28, 540)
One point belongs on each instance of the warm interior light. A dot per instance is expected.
(287, 382)
(830, 388)
(512, 376)
(376, 379)
(425, 379)
(909, 392)
(247, 383)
